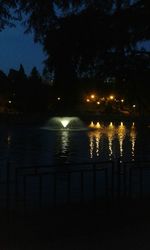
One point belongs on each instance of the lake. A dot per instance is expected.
(40, 146)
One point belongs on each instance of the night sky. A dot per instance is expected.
(17, 47)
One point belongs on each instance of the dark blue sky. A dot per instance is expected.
(17, 47)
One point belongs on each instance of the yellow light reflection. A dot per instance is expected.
(94, 137)
(133, 140)
(110, 135)
(121, 136)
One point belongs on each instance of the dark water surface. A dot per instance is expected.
(35, 146)
(41, 146)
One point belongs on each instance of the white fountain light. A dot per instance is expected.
(64, 122)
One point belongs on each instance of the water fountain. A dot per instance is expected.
(65, 123)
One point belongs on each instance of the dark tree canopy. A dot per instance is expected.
(6, 16)
(86, 38)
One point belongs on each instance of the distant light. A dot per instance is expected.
(98, 103)
(91, 125)
(133, 124)
(9, 102)
(103, 98)
(111, 124)
(92, 96)
(134, 106)
(111, 97)
(87, 100)
(97, 125)
(58, 98)
(122, 100)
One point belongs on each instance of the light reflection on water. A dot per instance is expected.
(64, 141)
(109, 141)
(114, 134)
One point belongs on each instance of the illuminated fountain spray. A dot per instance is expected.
(65, 123)
(94, 126)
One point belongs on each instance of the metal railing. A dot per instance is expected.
(40, 186)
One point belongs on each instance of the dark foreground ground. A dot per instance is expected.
(124, 225)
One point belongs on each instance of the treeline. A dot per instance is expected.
(22, 93)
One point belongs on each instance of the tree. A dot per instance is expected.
(18, 80)
(6, 16)
(87, 37)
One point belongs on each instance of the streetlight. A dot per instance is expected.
(111, 97)
(92, 96)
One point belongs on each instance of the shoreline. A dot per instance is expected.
(40, 118)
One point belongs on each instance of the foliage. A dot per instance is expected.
(6, 16)
(92, 39)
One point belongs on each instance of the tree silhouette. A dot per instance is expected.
(88, 39)
(6, 16)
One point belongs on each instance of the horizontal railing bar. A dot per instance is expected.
(62, 172)
(66, 164)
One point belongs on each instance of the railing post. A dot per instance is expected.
(141, 182)
(69, 187)
(16, 188)
(125, 179)
(112, 180)
(106, 183)
(55, 189)
(24, 191)
(118, 178)
(82, 186)
(94, 183)
(40, 191)
(8, 186)
(130, 182)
